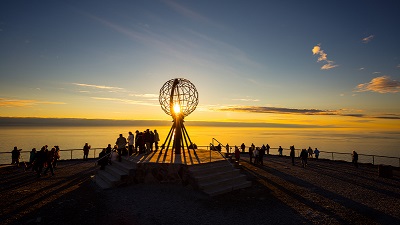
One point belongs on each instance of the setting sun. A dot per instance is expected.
(177, 108)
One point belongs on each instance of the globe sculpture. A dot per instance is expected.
(178, 98)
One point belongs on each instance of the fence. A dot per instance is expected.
(66, 154)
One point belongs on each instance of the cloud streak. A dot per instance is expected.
(383, 84)
(319, 112)
(261, 109)
(125, 101)
(97, 86)
(5, 102)
(323, 57)
(367, 39)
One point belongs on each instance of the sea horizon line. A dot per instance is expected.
(82, 122)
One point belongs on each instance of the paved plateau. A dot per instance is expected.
(326, 192)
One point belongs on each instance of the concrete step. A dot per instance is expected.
(109, 178)
(227, 189)
(204, 169)
(102, 183)
(116, 172)
(126, 166)
(217, 176)
(209, 164)
(224, 182)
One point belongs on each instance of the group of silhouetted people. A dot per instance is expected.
(40, 162)
(256, 154)
(139, 143)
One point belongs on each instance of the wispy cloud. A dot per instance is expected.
(98, 86)
(323, 57)
(383, 84)
(376, 72)
(261, 109)
(125, 101)
(189, 13)
(5, 102)
(362, 68)
(246, 99)
(367, 39)
(145, 95)
(281, 110)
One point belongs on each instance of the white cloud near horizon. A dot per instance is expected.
(319, 112)
(125, 101)
(98, 86)
(323, 57)
(246, 99)
(367, 39)
(383, 84)
(6, 102)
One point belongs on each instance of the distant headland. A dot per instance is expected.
(73, 122)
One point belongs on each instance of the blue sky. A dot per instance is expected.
(284, 62)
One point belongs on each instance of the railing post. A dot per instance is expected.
(332, 156)
(71, 153)
(373, 160)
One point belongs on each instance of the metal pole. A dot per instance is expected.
(373, 160)
(332, 156)
(71, 154)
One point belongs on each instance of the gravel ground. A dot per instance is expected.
(325, 192)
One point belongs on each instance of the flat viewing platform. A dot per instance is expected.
(187, 157)
(326, 192)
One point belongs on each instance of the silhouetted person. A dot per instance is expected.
(227, 148)
(147, 140)
(256, 154)
(261, 154)
(243, 147)
(151, 140)
(86, 149)
(310, 152)
(355, 158)
(237, 154)
(292, 153)
(39, 161)
(280, 150)
(56, 156)
(49, 160)
(156, 139)
(109, 153)
(121, 143)
(316, 152)
(303, 157)
(32, 158)
(15, 154)
(251, 154)
(136, 141)
(131, 141)
(103, 159)
(267, 148)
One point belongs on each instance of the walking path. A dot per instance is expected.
(326, 192)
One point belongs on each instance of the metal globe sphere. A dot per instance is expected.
(178, 96)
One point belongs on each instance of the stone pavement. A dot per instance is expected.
(326, 192)
(188, 157)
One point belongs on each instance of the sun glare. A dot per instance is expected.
(177, 108)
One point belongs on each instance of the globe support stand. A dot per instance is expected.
(179, 135)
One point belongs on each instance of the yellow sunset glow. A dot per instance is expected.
(177, 108)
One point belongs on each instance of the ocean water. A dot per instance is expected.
(384, 143)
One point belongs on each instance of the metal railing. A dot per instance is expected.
(66, 154)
